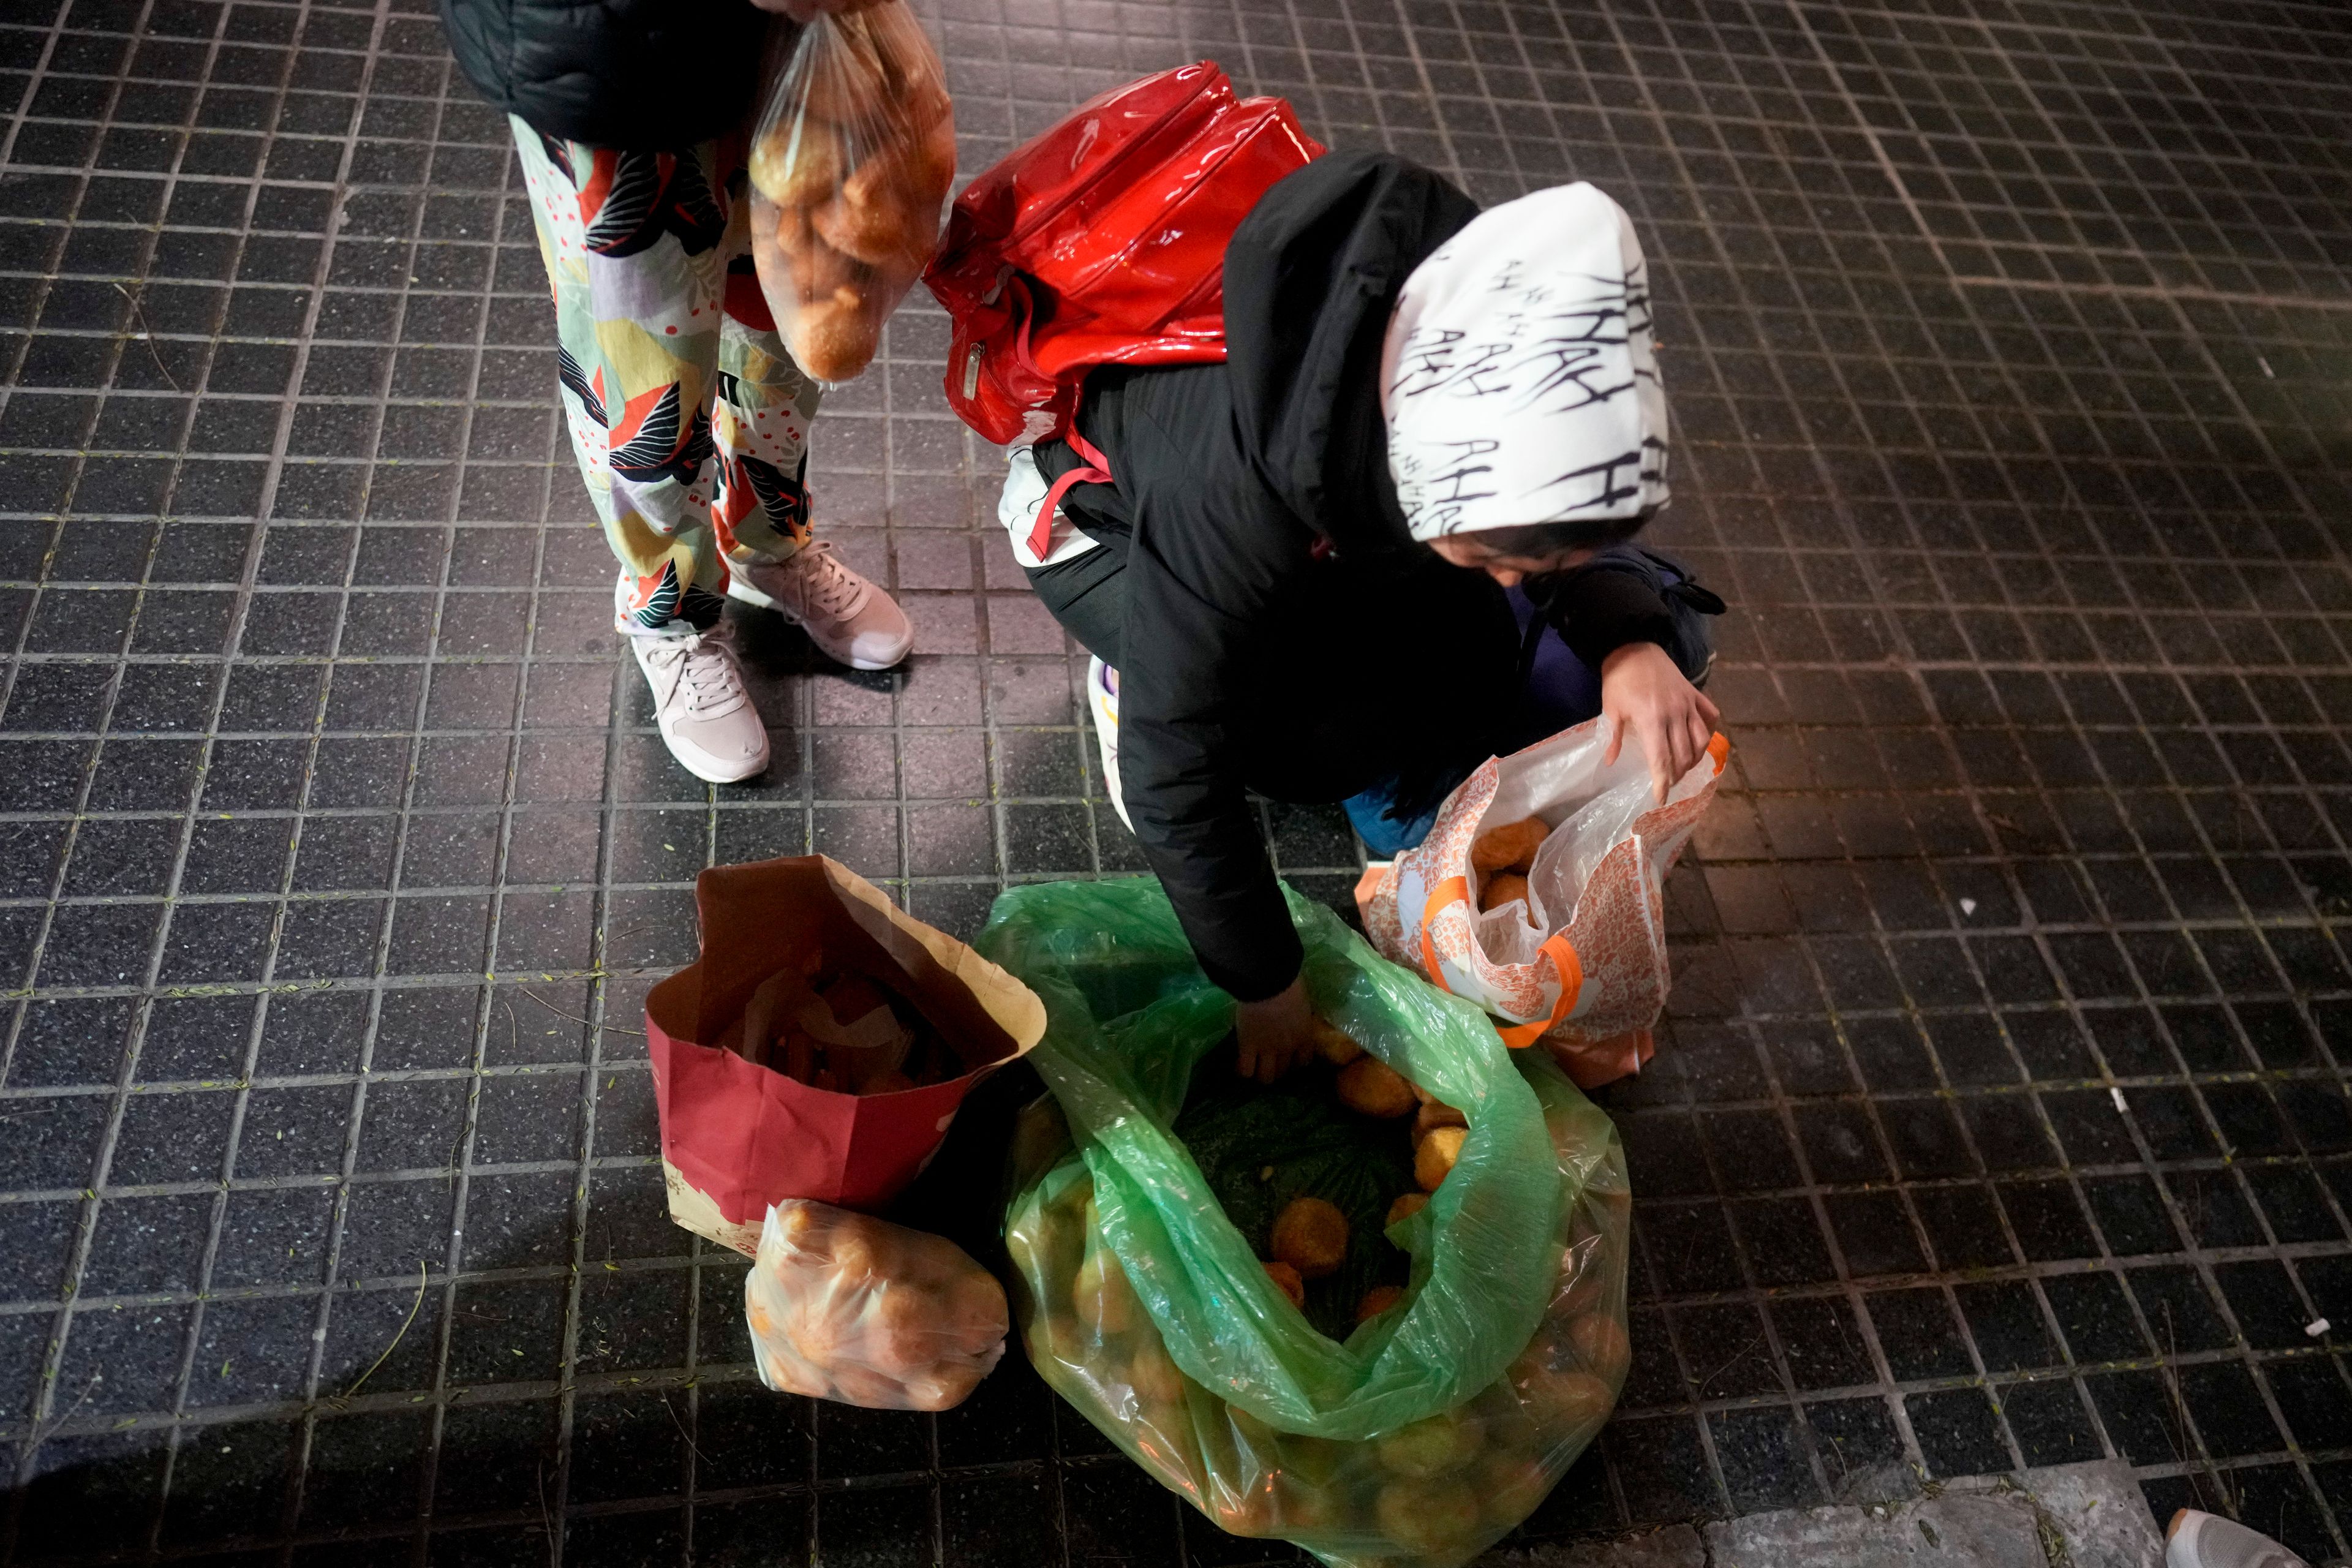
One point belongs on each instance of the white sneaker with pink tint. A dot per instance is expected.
(1102, 703)
(700, 701)
(851, 620)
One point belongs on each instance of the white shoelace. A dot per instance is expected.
(824, 583)
(701, 669)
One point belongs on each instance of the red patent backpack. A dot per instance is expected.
(1103, 242)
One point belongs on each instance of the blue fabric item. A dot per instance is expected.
(1385, 837)
(1560, 689)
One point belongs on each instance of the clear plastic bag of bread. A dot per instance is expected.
(851, 159)
(846, 1307)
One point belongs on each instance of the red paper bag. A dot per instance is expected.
(737, 1136)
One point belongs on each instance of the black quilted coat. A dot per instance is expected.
(648, 75)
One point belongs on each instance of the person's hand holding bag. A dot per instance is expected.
(1642, 690)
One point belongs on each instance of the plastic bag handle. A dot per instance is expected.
(1564, 960)
(1571, 969)
(1453, 890)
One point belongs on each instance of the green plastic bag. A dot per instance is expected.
(1432, 1428)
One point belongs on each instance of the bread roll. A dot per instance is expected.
(1430, 1446)
(1513, 844)
(1433, 1116)
(1378, 1300)
(976, 1310)
(1501, 889)
(803, 1224)
(1311, 1235)
(916, 88)
(858, 1252)
(1287, 1279)
(878, 216)
(1432, 1159)
(1102, 1296)
(931, 156)
(944, 1387)
(1599, 1343)
(900, 1331)
(1407, 1205)
(833, 338)
(1334, 1044)
(1372, 1086)
(863, 1385)
(816, 270)
(800, 165)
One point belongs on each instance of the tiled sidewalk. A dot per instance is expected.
(2001, 1119)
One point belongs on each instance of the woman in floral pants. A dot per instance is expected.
(687, 416)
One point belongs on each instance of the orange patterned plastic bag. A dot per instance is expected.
(1579, 961)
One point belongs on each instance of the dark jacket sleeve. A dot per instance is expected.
(1602, 609)
(1177, 773)
(1206, 564)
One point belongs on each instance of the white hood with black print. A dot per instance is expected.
(1518, 379)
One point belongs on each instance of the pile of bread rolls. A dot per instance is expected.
(1429, 1494)
(839, 1030)
(1501, 858)
(850, 165)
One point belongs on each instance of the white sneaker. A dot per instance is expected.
(2198, 1540)
(1102, 701)
(854, 622)
(704, 714)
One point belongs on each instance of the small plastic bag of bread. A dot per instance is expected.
(851, 159)
(846, 1307)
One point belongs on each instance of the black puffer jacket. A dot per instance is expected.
(641, 75)
(1282, 630)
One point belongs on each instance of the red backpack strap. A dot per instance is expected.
(1097, 471)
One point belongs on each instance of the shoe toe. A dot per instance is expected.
(876, 650)
(721, 753)
(880, 640)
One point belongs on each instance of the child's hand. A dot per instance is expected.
(1275, 1035)
(1641, 689)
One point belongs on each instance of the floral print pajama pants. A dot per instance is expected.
(689, 417)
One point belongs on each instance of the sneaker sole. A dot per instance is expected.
(708, 774)
(738, 588)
